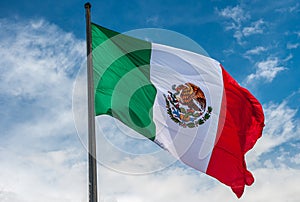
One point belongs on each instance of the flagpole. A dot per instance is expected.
(92, 166)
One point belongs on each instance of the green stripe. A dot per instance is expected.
(122, 79)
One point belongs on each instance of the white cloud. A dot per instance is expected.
(238, 35)
(255, 51)
(39, 151)
(237, 14)
(240, 23)
(32, 63)
(255, 28)
(292, 45)
(153, 20)
(290, 9)
(181, 185)
(289, 57)
(47, 176)
(266, 70)
(280, 126)
(296, 159)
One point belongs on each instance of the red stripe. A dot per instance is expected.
(241, 124)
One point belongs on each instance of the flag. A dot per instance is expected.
(183, 101)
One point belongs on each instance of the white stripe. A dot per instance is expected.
(171, 66)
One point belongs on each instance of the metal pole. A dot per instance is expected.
(92, 167)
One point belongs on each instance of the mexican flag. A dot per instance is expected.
(183, 101)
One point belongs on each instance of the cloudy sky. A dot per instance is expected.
(43, 158)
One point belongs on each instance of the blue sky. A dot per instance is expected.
(43, 46)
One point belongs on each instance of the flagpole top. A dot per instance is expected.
(87, 5)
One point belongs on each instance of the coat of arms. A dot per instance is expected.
(187, 105)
